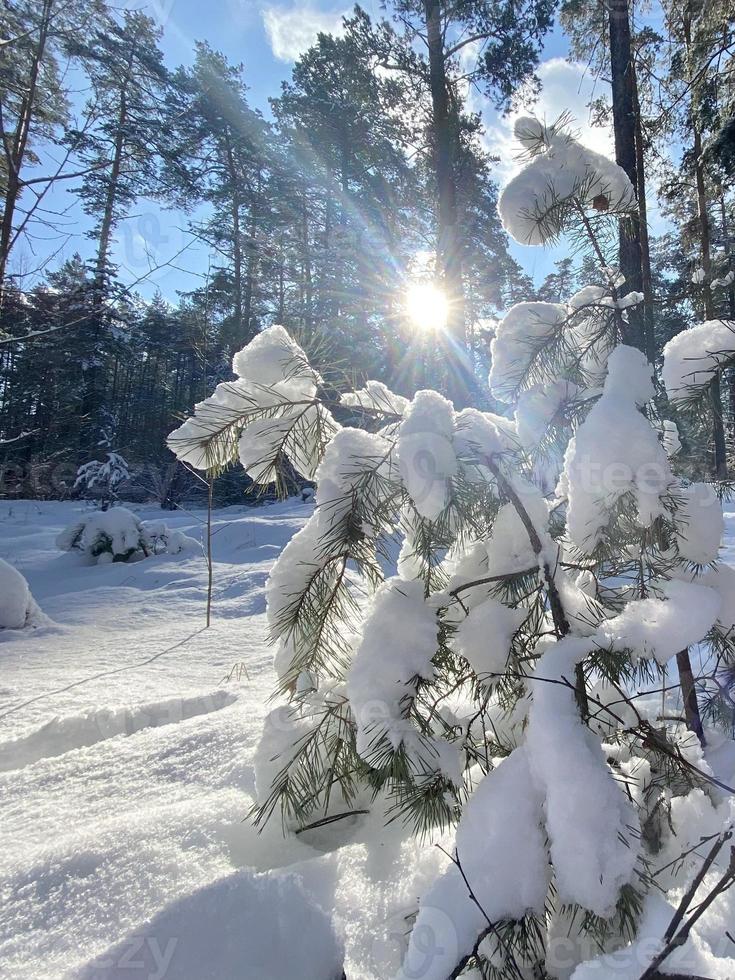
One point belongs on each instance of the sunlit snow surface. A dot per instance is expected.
(128, 793)
(123, 800)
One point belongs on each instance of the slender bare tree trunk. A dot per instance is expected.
(449, 252)
(649, 332)
(15, 148)
(236, 241)
(624, 124)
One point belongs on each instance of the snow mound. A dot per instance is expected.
(263, 927)
(165, 539)
(18, 608)
(65, 734)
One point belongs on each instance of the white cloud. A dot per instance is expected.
(566, 87)
(293, 30)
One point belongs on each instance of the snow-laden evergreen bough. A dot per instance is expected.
(549, 566)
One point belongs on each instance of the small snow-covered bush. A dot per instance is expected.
(17, 606)
(106, 536)
(119, 535)
(166, 540)
(493, 679)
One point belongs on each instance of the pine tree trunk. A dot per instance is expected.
(16, 150)
(238, 335)
(624, 125)
(252, 265)
(649, 331)
(449, 258)
(94, 375)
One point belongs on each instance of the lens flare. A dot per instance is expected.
(427, 306)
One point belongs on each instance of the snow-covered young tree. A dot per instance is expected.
(100, 479)
(468, 623)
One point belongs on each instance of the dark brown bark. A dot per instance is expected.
(15, 150)
(649, 333)
(689, 695)
(247, 312)
(449, 255)
(236, 240)
(624, 125)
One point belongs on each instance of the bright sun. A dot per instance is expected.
(427, 306)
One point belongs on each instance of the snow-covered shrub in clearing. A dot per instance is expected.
(472, 685)
(118, 535)
(18, 608)
(161, 539)
(100, 479)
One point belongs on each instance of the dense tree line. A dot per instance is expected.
(313, 213)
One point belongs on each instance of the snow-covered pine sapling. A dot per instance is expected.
(545, 570)
(100, 479)
(118, 535)
(105, 536)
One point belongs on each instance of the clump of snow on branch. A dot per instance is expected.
(484, 637)
(592, 826)
(660, 627)
(540, 202)
(700, 524)
(501, 851)
(376, 397)
(722, 580)
(426, 456)
(693, 357)
(315, 558)
(615, 452)
(386, 668)
(670, 438)
(521, 332)
(539, 406)
(271, 408)
(509, 549)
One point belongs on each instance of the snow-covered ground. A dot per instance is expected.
(127, 739)
(123, 796)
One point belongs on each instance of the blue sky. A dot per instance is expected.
(266, 36)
